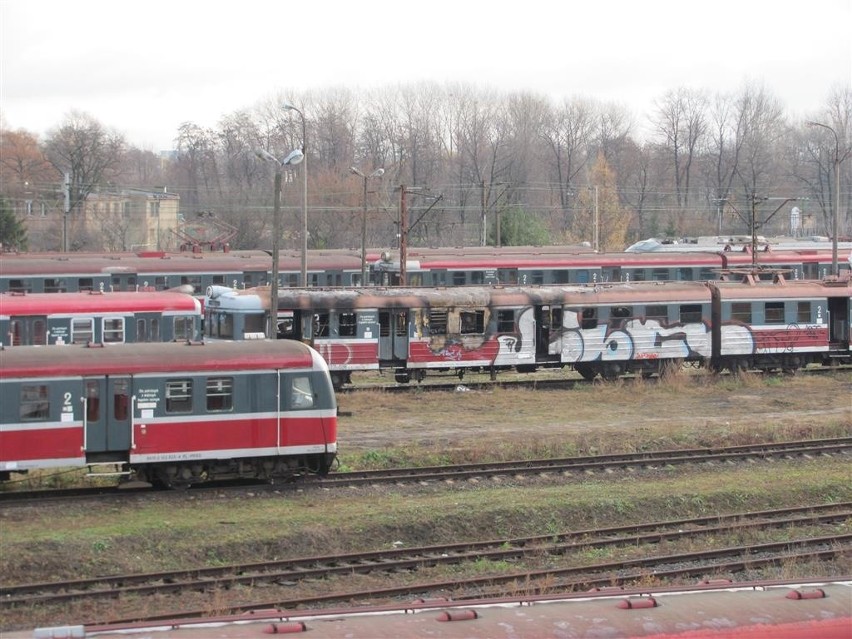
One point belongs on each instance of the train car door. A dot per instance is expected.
(28, 330)
(393, 335)
(106, 413)
(838, 317)
(547, 319)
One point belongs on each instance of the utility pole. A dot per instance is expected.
(403, 235)
(66, 187)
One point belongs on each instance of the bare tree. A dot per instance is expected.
(88, 153)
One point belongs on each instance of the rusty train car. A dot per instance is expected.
(647, 328)
(169, 414)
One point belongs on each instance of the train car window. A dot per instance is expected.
(39, 335)
(347, 324)
(85, 284)
(690, 313)
(803, 312)
(220, 393)
(657, 312)
(179, 396)
(321, 322)
(774, 312)
(192, 280)
(54, 285)
(82, 330)
(459, 278)
(620, 312)
(401, 323)
(141, 330)
(16, 331)
(286, 328)
(505, 321)
(438, 321)
(155, 329)
(507, 276)
(254, 323)
(563, 276)
(35, 403)
(477, 277)
(708, 274)
(120, 399)
(660, 274)
(607, 275)
(226, 326)
(21, 285)
(637, 275)
(414, 279)
(684, 274)
(301, 392)
(472, 322)
(93, 400)
(292, 280)
(537, 277)
(589, 318)
(218, 280)
(113, 328)
(161, 283)
(741, 312)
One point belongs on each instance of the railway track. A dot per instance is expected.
(296, 571)
(565, 467)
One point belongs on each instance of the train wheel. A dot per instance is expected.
(611, 372)
(737, 366)
(402, 377)
(586, 371)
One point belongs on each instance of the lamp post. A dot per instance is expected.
(375, 174)
(290, 107)
(834, 268)
(293, 158)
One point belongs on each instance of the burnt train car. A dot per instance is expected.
(169, 414)
(609, 330)
(37, 319)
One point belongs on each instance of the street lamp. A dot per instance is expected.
(834, 267)
(375, 174)
(290, 107)
(294, 157)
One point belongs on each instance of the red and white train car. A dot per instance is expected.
(37, 319)
(607, 329)
(171, 414)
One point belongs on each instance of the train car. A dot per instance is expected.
(536, 265)
(73, 272)
(804, 609)
(28, 319)
(647, 328)
(521, 265)
(168, 414)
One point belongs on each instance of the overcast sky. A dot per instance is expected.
(146, 67)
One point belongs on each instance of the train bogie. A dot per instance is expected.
(169, 413)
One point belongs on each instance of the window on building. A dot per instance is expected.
(774, 312)
(113, 330)
(35, 403)
(220, 393)
(741, 312)
(179, 396)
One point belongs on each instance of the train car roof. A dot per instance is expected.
(96, 302)
(169, 357)
(784, 289)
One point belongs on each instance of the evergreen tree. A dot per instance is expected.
(13, 234)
